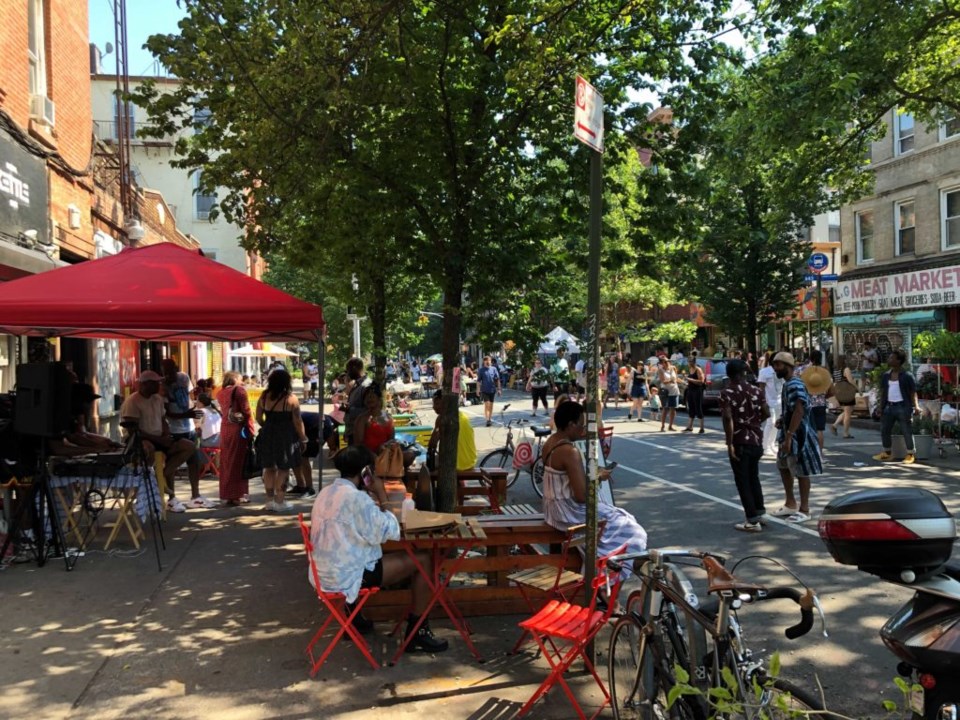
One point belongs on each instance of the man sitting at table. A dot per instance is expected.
(347, 528)
(78, 440)
(466, 443)
(147, 409)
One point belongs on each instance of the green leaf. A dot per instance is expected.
(774, 666)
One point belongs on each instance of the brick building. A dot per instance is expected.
(59, 186)
(900, 246)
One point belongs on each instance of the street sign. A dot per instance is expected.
(824, 278)
(588, 115)
(818, 263)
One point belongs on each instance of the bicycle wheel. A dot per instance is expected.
(639, 677)
(536, 476)
(781, 698)
(501, 458)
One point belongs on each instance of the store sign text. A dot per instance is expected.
(917, 289)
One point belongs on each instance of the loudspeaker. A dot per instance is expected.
(43, 399)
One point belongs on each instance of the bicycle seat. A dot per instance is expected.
(720, 580)
(540, 431)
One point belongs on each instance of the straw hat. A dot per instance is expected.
(817, 379)
(786, 358)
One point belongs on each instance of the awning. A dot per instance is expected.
(915, 317)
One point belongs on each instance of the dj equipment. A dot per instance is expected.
(103, 465)
(43, 399)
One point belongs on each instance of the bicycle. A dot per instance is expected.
(503, 457)
(666, 626)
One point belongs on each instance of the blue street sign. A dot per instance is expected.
(818, 262)
(824, 278)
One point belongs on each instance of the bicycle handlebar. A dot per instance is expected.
(804, 600)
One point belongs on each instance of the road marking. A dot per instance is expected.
(707, 496)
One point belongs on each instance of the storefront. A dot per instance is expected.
(890, 310)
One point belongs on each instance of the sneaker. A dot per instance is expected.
(701, 431)
(200, 502)
(310, 493)
(910, 459)
(785, 512)
(270, 506)
(363, 625)
(489, 423)
(748, 527)
(283, 507)
(833, 429)
(174, 505)
(884, 456)
(297, 490)
(425, 640)
(798, 517)
(629, 416)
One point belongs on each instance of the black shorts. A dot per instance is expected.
(487, 397)
(671, 401)
(819, 417)
(373, 578)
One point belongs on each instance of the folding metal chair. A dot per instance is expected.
(335, 604)
(554, 581)
(572, 627)
(211, 461)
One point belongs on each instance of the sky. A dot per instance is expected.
(144, 18)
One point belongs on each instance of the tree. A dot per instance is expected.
(438, 110)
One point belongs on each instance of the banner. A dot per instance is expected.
(935, 287)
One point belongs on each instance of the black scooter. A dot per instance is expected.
(905, 536)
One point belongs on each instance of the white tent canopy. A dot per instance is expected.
(557, 337)
(268, 350)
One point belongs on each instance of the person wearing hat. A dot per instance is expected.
(798, 455)
(146, 408)
(819, 384)
(78, 440)
(898, 403)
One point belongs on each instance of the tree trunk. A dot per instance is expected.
(449, 418)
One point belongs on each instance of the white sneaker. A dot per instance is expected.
(200, 502)
(283, 507)
(270, 506)
(174, 505)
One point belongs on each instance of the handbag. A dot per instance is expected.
(845, 392)
(252, 467)
(389, 463)
(230, 411)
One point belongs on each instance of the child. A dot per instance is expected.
(209, 423)
(654, 403)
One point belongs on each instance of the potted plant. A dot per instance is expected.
(929, 386)
(923, 429)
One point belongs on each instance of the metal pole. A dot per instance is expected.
(819, 311)
(593, 366)
(321, 392)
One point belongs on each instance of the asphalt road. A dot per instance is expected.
(680, 487)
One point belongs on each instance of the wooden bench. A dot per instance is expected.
(489, 484)
(494, 594)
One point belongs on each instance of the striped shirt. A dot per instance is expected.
(804, 442)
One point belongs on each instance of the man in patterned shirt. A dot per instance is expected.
(744, 409)
(798, 454)
(347, 527)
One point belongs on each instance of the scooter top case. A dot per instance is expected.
(900, 534)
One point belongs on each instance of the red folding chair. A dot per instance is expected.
(335, 604)
(211, 461)
(554, 582)
(567, 629)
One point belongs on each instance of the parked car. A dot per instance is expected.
(715, 373)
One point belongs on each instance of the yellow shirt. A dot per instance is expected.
(466, 444)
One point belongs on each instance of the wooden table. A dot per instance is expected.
(488, 483)
(539, 544)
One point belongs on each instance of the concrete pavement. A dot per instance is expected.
(220, 631)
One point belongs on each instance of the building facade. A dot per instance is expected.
(900, 255)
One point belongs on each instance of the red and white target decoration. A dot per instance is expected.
(522, 455)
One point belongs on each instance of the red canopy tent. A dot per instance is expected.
(159, 292)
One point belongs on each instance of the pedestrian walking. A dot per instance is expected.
(819, 384)
(798, 455)
(613, 381)
(744, 408)
(236, 434)
(696, 382)
(282, 438)
(488, 380)
(639, 391)
(537, 385)
(845, 390)
(772, 388)
(560, 374)
(898, 402)
(670, 392)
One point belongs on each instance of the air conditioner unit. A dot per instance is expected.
(42, 110)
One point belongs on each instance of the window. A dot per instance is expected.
(203, 201)
(201, 118)
(864, 236)
(950, 214)
(904, 132)
(833, 226)
(35, 47)
(906, 222)
(950, 127)
(119, 106)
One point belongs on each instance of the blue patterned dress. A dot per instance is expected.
(561, 510)
(804, 443)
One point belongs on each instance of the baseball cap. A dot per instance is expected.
(786, 358)
(149, 376)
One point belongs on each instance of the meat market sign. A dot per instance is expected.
(935, 287)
